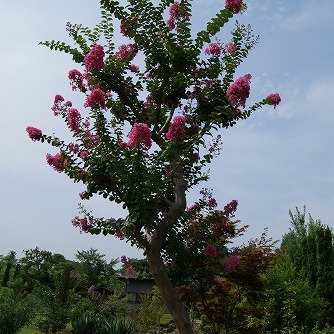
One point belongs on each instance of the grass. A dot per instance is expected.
(29, 330)
(32, 330)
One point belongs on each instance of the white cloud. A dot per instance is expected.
(320, 96)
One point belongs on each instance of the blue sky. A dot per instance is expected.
(274, 161)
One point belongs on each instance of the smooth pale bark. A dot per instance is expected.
(168, 293)
(152, 242)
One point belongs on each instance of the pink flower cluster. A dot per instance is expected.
(130, 270)
(95, 99)
(84, 195)
(208, 201)
(176, 131)
(94, 58)
(126, 52)
(140, 133)
(74, 148)
(211, 251)
(119, 234)
(83, 223)
(58, 105)
(231, 263)
(57, 161)
(230, 48)
(194, 207)
(73, 119)
(176, 12)
(150, 103)
(213, 49)
(274, 99)
(234, 6)
(34, 133)
(238, 92)
(77, 80)
(231, 208)
(91, 289)
(83, 154)
(129, 25)
(134, 68)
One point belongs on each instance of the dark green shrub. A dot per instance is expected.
(15, 311)
(54, 320)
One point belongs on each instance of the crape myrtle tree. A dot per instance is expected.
(147, 131)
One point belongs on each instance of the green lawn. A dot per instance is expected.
(28, 330)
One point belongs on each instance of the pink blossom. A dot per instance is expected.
(129, 268)
(91, 289)
(123, 144)
(176, 12)
(231, 263)
(126, 52)
(95, 99)
(84, 195)
(174, 9)
(73, 119)
(234, 6)
(194, 207)
(57, 161)
(86, 123)
(58, 99)
(171, 23)
(89, 139)
(238, 92)
(134, 68)
(213, 49)
(83, 154)
(74, 148)
(129, 25)
(57, 104)
(273, 99)
(231, 208)
(94, 58)
(130, 272)
(212, 203)
(211, 251)
(140, 133)
(83, 223)
(34, 133)
(77, 80)
(118, 233)
(230, 48)
(150, 103)
(176, 131)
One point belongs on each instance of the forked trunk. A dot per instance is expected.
(168, 293)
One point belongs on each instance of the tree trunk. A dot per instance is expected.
(168, 293)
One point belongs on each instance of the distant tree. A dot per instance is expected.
(93, 267)
(9, 261)
(290, 303)
(310, 247)
(170, 108)
(36, 265)
(57, 259)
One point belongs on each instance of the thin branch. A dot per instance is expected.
(167, 120)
